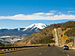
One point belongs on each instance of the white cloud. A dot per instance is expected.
(39, 13)
(49, 14)
(43, 14)
(57, 17)
(39, 16)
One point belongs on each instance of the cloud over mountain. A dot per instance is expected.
(41, 16)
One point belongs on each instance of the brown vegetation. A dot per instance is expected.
(45, 35)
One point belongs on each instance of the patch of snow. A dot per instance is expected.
(36, 25)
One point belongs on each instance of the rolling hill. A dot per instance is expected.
(46, 36)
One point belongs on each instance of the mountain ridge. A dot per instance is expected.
(20, 31)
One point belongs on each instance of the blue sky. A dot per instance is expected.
(13, 7)
(44, 10)
(11, 24)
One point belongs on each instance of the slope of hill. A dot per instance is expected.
(45, 35)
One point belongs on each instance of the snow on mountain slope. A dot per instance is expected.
(22, 31)
(36, 25)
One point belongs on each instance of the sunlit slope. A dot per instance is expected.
(46, 35)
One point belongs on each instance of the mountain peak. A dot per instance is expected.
(36, 25)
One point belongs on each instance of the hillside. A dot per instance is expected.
(46, 36)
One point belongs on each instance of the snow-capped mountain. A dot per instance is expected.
(36, 26)
(5, 34)
(22, 31)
